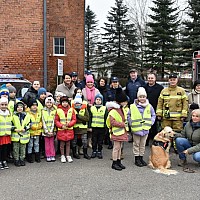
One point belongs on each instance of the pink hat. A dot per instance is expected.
(89, 78)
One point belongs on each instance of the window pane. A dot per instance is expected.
(62, 50)
(56, 50)
(56, 41)
(62, 41)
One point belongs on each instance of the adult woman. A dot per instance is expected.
(188, 141)
(102, 87)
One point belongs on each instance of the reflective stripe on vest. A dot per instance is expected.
(24, 136)
(49, 118)
(126, 110)
(5, 125)
(115, 130)
(80, 125)
(140, 123)
(98, 116)
(62, 117)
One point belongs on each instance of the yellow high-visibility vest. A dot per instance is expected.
(5, 124)
(140, 122)
(80, 125)
(98, 116)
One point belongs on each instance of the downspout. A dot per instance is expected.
(45, 42)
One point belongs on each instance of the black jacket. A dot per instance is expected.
(30, 94)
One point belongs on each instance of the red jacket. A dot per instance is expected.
(65, 135)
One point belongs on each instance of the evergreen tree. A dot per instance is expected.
(190, 39)
(91, 38)
(162, 36)
(119, 40)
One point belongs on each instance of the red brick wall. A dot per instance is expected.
(21, 37)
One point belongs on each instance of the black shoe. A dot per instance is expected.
(37, 157)
(17, 163)
(99, 155)
(94, 154)
(85, 154)
(138, 161)
(142, 161)
(22, 163)
(75, 155)
(29, 157)
(5, 165)
(120, 164)
(1, 166)
(116, 166)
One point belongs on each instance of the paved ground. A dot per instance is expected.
(94, 179)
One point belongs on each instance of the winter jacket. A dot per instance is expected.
(30, 94)
(66, 90)
(193, 136)
(65, 134)
(132, 88)
(141, 110)
(111, 93)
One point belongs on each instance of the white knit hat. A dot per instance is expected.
(50, 99)
(78, 99)
(141, 92)
(3, 100)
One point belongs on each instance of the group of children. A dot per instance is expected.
(68, 121)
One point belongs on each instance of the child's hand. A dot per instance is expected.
(17, 130)
(64, 127)
(23, 130)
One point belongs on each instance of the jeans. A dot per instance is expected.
(183, 144)
(34, 142)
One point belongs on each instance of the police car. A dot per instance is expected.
(18, 81)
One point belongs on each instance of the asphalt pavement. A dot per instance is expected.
(94, 179)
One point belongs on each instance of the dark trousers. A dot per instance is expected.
(152, 132)
(97, 138)
(3, 152)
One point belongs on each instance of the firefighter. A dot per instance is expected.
(172, 105)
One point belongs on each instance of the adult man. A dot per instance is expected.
(133, 84)
(31, 93)
(74, 76)
(67, 87)
(153, 90)
(172, 105)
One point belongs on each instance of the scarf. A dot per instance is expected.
(195, 125)
(90, 93)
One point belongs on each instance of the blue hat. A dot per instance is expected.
(74, 74)
(88, 72)
(99, 96)
(114, 79)
(41, 91)
(4, 90)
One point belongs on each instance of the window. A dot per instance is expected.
(59, 46)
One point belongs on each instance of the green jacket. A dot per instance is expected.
(193, 137)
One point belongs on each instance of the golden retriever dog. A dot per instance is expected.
(159, 158)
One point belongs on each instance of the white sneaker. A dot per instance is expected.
(53, 158)
(48, 159)
(69, 159)
(63, 159)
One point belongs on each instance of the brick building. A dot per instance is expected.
(22, 31)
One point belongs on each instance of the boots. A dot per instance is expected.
(142, 161)
(75, 155)
(116, 166)
(138, 161)
(99, 155)
(17, 163)
(37, 157)
(85, 154)
(29, 158)
(120, 164)
(94, 154)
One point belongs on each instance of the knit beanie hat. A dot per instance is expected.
(141, 92)
(60, 94)
(99, 96)
(41, 91)
(3, 100)
(196, 83)
(19, 104)
(32, 102)
(120, 96)
(49, 99)
(78, 99)
(89, 78)
(64, 98)
(4, 90)
(11, 88)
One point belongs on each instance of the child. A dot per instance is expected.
(65, 119)
(48, 116)
(20, 134)
(58, 95)
(5, 131)
(12, 97)
(98, 115)
(80, 128)
(116, 122)
(140, 118)
(35, 131)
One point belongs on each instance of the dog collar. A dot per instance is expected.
(164, 145)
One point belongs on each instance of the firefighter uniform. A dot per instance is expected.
(172, 106)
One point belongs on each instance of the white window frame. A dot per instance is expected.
(57, 54)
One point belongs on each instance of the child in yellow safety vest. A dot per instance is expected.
(20, 133)
(117, 124)
(48, 117)
(5, 131)
(35, 131)
(98, 115)
(140, 118)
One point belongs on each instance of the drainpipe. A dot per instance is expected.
(45, 42)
